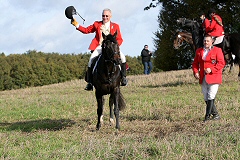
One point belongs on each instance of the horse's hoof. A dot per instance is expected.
(117, 132)
(98, 127)
(117, 128)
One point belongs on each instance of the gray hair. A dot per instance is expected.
(107, 9)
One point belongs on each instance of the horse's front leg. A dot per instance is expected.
(116, 108)
(111, 102)
(239, 72)
(231, 63)
(100, 103)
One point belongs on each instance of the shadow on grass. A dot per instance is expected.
(175, 84)
(30, 126)
(154, 116)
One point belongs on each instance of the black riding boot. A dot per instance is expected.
(208, 110)
(88, 79)
(214, 112)
(123, 74)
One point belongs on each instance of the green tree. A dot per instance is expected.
(37, 68)
(135, 65)
(5, 70)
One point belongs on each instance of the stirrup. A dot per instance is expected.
(89, 87)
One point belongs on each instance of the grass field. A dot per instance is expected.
(163, 120)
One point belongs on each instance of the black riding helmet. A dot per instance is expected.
(211, 10)
(69, 12)
(201, 13)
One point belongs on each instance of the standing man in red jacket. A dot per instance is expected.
(213, 27)
(207, 67)
(107, 27)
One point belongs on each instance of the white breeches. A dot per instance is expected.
(209, 90)
(98, 51)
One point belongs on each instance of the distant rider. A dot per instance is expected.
(213, 27)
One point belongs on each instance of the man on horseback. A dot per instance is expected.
(213, 27)
(107, 27)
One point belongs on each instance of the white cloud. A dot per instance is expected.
(42, 25)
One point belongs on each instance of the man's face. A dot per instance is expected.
(106, 16)
(208, 41)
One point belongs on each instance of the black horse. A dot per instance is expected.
(107, 78)
(230, 44)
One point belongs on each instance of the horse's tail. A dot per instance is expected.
(121, 102)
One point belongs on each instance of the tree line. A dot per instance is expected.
(35, 68)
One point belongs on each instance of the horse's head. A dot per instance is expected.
(196, 29)
(178, 41)
(182, 36)
(110, 48)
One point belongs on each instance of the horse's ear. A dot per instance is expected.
(115, 34)
(104, 36)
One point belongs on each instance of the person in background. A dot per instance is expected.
(207, 67)
(98, 27)
(146, 60)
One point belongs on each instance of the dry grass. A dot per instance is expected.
(163, 120)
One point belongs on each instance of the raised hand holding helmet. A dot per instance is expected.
(69, 12)
(74, 23)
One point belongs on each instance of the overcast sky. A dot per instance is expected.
(41, 25)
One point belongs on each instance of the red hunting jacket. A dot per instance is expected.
(214, 60)
(95, 27)
(213, 27)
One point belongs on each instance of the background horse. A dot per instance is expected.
(106, 79)
(229, 46)
(184, 36)
(181, 37)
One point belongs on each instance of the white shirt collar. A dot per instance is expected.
(107, 25)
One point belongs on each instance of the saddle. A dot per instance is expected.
(95, 62)
(89, 72)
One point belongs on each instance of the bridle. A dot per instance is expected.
(111, 55)
(111, 52)
(178, 42)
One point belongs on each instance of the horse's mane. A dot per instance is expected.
(183, 31)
